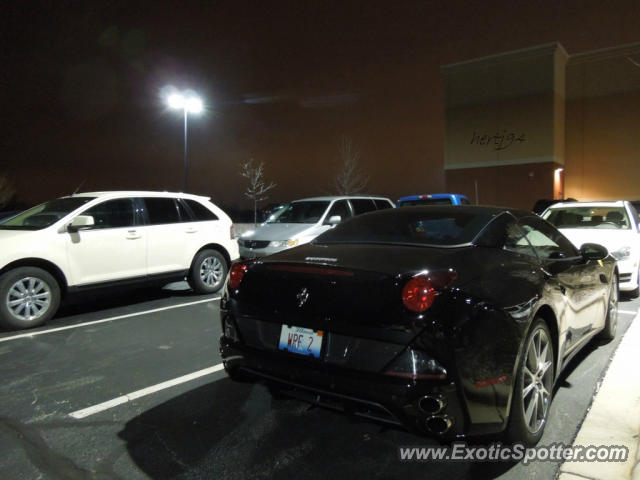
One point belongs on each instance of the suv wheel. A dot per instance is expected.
(29, 296)
(208, 271)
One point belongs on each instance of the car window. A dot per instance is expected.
(200, 212)
(161, 211)
(339, 207)
(410, 226)
(546, 240)
(516, 241)
(118, 213)
(382, 204)
(308, 211)
(589, 217)
(426, 201)
(362, 205)
(45, 214)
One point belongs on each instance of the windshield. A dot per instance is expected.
(300, 212)
(614, 218)
(446, 226)
(45, 214)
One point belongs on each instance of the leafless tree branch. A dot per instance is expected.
(349, 179)
(6, 191)
(257, 188)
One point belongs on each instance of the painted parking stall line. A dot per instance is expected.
(114, 402)
(627, 312)
(105, 320)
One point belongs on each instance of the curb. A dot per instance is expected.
(614, 416)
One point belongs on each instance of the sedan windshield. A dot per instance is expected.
(310, 211)
(430, 226)
(589, 217)
(45, 214)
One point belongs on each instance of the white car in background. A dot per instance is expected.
(612, 224)
(101, 239)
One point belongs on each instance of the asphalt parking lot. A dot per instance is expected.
(130, 386)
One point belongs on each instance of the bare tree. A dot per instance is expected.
(6, 191)
(349, 179)
(258, 187)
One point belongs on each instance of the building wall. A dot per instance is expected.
(603, 125)
(572, 124)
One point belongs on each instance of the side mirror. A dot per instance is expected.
(80, 222)
(334, 220)
(593, 251)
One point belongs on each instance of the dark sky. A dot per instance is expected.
(81, 87)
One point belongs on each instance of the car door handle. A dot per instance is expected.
(133, 235)
(191, 230)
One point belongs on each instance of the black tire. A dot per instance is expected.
(208, 271)
(608, 333)
(29, 297)
(526, 424)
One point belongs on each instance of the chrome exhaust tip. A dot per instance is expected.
(432, 404)
(439, 424)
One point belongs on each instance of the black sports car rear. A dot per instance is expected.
(450, 321)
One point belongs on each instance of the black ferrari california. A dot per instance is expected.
(449, 321)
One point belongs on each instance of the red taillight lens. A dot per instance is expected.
(236, 273)
(418, 294)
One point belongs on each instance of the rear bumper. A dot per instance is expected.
(426, 407)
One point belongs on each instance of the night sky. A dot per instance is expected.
(81, 87)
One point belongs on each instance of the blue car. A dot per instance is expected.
(434, 199)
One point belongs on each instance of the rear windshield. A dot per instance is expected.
(300, 212)
(410, 226)
(45, 214)
(614, 218)
(426, 201)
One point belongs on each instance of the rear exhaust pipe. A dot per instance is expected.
(439, 424)
(432, 404)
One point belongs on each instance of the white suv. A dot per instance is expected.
(101, 239)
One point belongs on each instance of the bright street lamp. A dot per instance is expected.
(189, 104)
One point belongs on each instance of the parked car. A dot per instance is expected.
(433, 199)
(301, 221)
(450, 321)
(91, 240)
(612, 224)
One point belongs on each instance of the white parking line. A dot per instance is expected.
(85, 412)
(628, 312)
(104, 320)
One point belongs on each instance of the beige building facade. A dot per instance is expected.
(539, 123)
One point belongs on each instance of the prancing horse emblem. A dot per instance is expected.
(302, 296)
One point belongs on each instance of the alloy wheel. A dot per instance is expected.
(613, 305)
(537, 380)
(211, 271)
(29, 298)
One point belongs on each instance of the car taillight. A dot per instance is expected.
(416, 365)
(236, 273)
(419, 292)
(232, 232)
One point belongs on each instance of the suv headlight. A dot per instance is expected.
(622, 253)
(283, 243)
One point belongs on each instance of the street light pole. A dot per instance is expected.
(188, 104)
(186, 163)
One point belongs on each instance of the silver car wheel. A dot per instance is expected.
(29, 298)
(537, 380)
(211, 271)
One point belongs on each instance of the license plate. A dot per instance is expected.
(303, 341)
